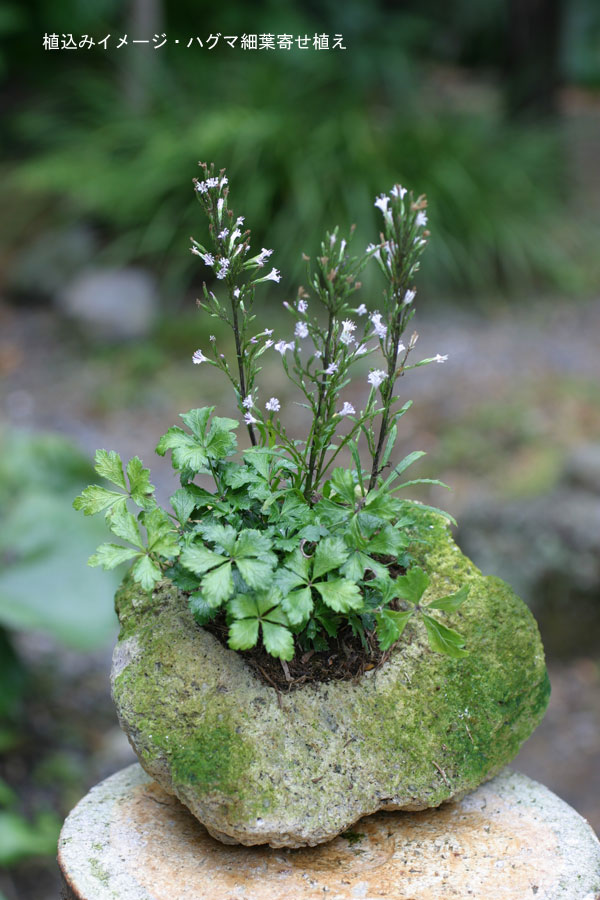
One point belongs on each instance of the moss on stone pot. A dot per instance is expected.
(297, 769)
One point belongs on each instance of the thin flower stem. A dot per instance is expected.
(240, 359)
(321, 395)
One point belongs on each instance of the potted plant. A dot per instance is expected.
(301, 645)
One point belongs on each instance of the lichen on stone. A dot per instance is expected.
(296, 769)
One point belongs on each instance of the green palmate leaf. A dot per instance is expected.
(298, 605)
(243, 634)
(108, 465)
(340, 594)
(237, 476)
(146, 572)
(412, 586)
(251, 543)
(162, 537)
(278, 640)
(357, 564)
(444, 640)
(390, 625)
(286, 580)
(109, 556)
(243, 606)
(382, 505)
(184, 580)
(124, 525)
(95, 498)
(257, 573)
(139, 483)
(331, 552)
(344, 484)
(183, 503)
(260, 459)
(188, 452)
(221, 442)
(223, 535)
(388, 542)
(328, 620)
(217, 585)
(267, 600)
(452, 602)
(202, 611)
(197, 420)
(199, 559)
(299, 564)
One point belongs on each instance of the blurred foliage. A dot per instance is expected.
(309, 138)
(21, 839)
(44, 582)
(44, 585)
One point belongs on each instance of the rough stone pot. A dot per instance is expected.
(296, 769)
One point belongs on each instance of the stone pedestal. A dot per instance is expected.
(511, 839)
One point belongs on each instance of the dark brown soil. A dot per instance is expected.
(346, 659)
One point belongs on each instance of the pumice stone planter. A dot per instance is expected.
(294, 769)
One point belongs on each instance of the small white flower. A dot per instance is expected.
(439, 358)
(332, 239)
(212, 338)
(208, 258)
(301, 330)
(199, 357)
(382, 202)
(239, 221)
(224, 263)
(318, 354)
(212, 182)
(268, 344)
(409, 297)
(223, 234)
(347, 410)
(421, 220)
(234, 236)
(223, 182)
(263, 256)
(302, 306)
(348, 327)
(398, 191)
(331, 369)
(273, 275)
(249, 419)
(282, 346)
(362, 310)
(376, 377)
(375, 249)
(379, 328)
(236, 293)
(361, 350)
(220, 203)
(268, 331)
(248, 402)
(342, 245)
(273, 405)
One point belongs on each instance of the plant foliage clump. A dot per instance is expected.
(290, 548)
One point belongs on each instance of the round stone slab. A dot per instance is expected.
(511, 839)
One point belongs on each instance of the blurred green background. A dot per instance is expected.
(493, 110)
